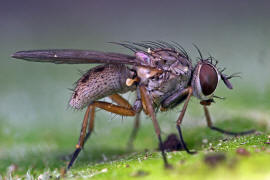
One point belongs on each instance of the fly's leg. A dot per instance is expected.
(172, 101)
(149, 110)
(81, 138)
(91, 123)
(103, 105)
(116, 98)
(120, 101)
(134, 132)
(120, 110)
(210, 125)
(123, 102)
(180, 119)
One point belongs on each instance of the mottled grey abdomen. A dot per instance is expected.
(99, 82)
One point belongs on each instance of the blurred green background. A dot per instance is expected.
(34, 115)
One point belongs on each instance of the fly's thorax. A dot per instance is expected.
(160, 83)
(99, 82)
(162, 58)
(165, 71)
(145, 73)
(205, 80)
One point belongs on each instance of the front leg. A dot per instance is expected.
(172, 101)
(180, 119)
(210, 125)
(175, 99)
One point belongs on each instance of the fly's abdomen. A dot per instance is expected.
(99, 82)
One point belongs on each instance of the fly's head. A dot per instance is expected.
(205, 79)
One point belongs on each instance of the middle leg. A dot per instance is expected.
(149, 110)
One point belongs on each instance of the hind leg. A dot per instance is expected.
(90, 124)
(134, 132)
(117, 99)
(121, 110)
(83, 137)
(123, 102)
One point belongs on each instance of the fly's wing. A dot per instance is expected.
(68, 56)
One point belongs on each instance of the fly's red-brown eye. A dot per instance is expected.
(208, 79)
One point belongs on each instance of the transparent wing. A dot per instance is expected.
(69, 56)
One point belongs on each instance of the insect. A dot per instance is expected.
(161, 74)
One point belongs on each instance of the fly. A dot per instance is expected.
(161, 74)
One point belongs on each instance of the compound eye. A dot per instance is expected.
(208, 79)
